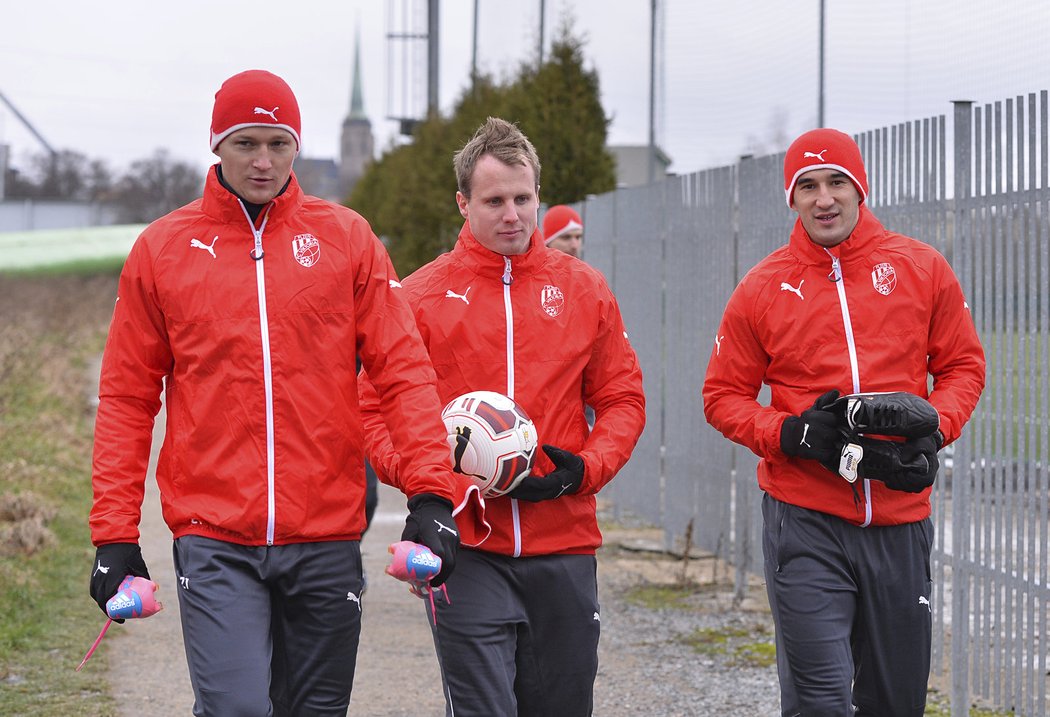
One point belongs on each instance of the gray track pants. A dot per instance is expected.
(852, 612)
(518, 636)
(269, 630)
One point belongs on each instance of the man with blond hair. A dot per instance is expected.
(518, 632)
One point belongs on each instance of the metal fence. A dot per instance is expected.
(977, 189)
(20, 215)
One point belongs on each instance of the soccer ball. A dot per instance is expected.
(492, 440)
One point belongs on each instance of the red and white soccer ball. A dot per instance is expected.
(492, 440)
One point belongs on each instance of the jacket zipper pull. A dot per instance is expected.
(257, 252)
(507, 278)
(836, 268)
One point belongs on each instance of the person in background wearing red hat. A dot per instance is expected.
(518, 632)
(845, 306)
(563, 229)
(247, 308)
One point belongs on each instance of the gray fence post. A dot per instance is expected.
(961, 557)
(745, 552)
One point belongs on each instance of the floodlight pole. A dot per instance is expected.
(652, 91)
(28, 125)
(432, 57)
(820, 89)
(543, 16)
(474, 51)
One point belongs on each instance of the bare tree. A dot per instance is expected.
(66, 175)
(776, 137)
(155, 186)
(149, 189)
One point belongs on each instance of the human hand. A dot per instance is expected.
(910, 466)
(113, 562)
(816, 434)
(565, 479)
(430, 523)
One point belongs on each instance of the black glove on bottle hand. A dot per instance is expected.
(816, 434)
(910, 466)
(565, 479)
(430, 523)
(113, 562)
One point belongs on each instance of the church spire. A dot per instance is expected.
(357, 103)
(357, 143)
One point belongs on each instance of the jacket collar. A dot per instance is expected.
(222, 204)
(486, 262)
(866, 237)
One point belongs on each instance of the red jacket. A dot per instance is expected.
(257, 363)
(552, 338)
(896, 315)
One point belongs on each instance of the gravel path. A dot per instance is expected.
(646, 664)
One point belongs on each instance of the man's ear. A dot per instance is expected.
(461, 202)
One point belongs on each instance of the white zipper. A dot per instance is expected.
(508, 308)
(507, 280)
(851, 345)
(264, 328)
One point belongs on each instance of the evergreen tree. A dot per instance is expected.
(558, 107)
(409, 193)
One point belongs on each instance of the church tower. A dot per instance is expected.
(357, 144)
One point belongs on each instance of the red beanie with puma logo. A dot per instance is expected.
(254, 98)
(558, 220)
(824, 149)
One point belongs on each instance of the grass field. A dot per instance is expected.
(52, 247)
(53, 324)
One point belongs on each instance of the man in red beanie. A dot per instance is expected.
(563, 229)
(247, 308)
(845, 307)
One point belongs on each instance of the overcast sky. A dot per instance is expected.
(118, 79)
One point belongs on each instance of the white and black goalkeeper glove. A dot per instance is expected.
(816, 434)
(430, 523)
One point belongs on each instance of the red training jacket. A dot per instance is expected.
(878, 312)
(544, 328)
(253, 336)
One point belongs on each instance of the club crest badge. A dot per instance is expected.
(883, 278)
(552, 300)
(306, 249)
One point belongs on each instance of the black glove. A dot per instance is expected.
(113, 562)
(910, 466)
(430, 523)
(565, 479)
(816, 434)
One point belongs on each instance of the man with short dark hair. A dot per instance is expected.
(846, 306)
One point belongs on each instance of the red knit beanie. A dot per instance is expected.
(254, 98)
(824, 149)
(558, 220)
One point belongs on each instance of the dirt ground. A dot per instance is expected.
(146, 657)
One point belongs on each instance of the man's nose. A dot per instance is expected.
(262, 159)
(824, 196)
